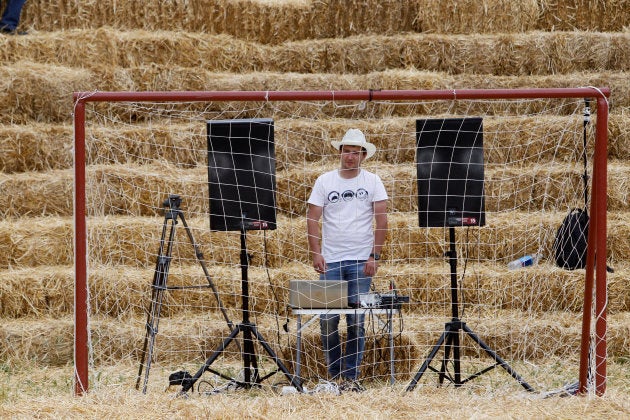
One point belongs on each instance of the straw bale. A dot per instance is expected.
(35, 147)
(618, 294)
(545, 288)
(376, 358)
(141, 190)
(35, 241)
(608, 16)
(182, 143)
(36, 292)
(486, 16)
(39, 92)
(618, 136)
(618, 190)
(43, 341)
(37, 194)
(179, 339)
(125, 291)
(254, 20)
(616, 81)
(134, 240)
(49, 341)
(154, 78)
(277, 21)
(132, 189)
(513, 336)
(109, 52)
(618, 231)
(121, 292)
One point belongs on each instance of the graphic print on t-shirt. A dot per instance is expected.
(348, 195)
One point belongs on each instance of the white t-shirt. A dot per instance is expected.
(348, 213)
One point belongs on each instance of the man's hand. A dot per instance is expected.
(319, 264)
(370, 267)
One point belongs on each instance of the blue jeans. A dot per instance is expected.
(348, 365)
(11, 16)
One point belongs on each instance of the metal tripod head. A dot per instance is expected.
(173, 201)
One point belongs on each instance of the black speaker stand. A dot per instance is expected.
(451, 340)
(250, 332)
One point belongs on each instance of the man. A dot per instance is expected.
(350, 199)
(11, 17)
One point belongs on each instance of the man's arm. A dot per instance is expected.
(380, 232)
(313, 214)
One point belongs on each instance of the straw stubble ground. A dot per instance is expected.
(33, 392)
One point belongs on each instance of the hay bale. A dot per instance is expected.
(56, 98)
(140, 60)
(140, 190)
(36, 292)
(474, 17)
(38, 147)
(278, 21)
(35, 147)
(39, 92)
(134, 241)
(376, 358)
(43, 341)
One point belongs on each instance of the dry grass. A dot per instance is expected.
(33, 392)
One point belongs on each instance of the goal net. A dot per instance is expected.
(159, 292)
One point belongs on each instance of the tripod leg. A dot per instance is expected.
(202, 262)
(149, 341)
(190, 383)
(448, 346)
(158, 286)
(452, 344)
(250, 365)
(497, 358)
(427, 362)
(294, 380)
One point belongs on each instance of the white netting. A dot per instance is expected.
(139, 153)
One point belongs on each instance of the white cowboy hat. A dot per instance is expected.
(354, 137)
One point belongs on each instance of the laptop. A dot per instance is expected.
(318, 294)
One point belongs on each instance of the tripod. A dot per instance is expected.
(451, 339)
(249, 330)
(172, 213)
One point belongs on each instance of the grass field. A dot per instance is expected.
(44, 392)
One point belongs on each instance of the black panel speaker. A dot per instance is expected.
(450, 168)
(241, 174)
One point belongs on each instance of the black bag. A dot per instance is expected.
(571, 241)
(179, 378)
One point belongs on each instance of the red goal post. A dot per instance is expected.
(595, 293)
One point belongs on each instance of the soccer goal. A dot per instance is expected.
(159, 290)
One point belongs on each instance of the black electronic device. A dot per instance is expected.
(450, 168)
(241, 174)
